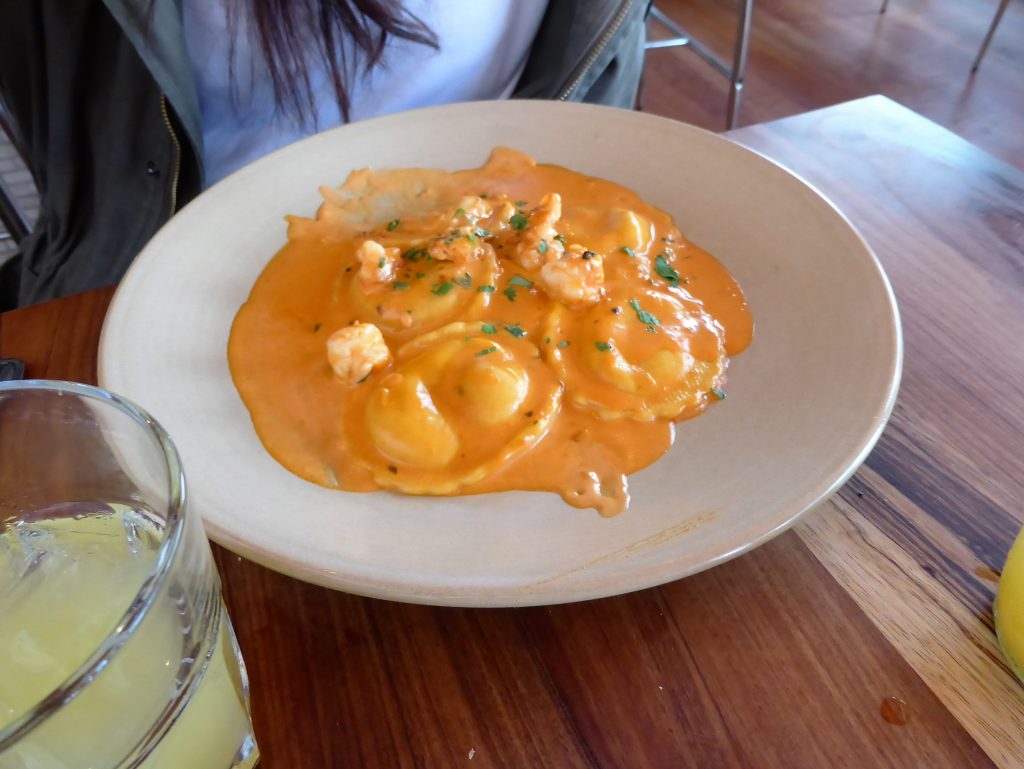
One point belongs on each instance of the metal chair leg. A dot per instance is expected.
(988, 36)
(739, 63)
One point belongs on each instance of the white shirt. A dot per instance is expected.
(483, 46)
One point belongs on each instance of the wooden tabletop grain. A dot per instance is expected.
(862, 638)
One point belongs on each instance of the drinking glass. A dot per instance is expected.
(116, 650)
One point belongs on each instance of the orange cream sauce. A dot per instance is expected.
(500, 374)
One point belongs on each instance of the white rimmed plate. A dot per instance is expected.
(806, 401)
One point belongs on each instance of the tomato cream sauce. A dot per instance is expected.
(515, 326)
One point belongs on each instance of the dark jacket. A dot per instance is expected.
(103, 100)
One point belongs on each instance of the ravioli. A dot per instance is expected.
(458, 404)
(645, 357)
(514, 326)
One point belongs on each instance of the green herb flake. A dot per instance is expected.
(518, 221)
(642, 315)
(472, 238)
(441, 289)
(628, 251)
(561, 240)
(413, 254)
(666, 270)
(381, 262)
(520, 203)
(486, 351)
(393, 224)
(486, 289)
(543, 247)
(464, 280)
(510, 293)
(460, 212)
(420, 275)
(483, 232)
(547, 340)
(562, 345)
(317, 327)
(519, 280)
(399, 285)
(487, 328)
(717, 393)
(482, 195)
(515, 331)
(602, 346)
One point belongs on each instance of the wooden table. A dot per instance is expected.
(878, 604)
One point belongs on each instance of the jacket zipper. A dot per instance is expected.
(177, 155)
(596, 51)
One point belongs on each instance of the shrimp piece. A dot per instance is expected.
(357, 350)
(498, 220)
(377, 265)
(460, 245)
(575, 278)
(537, 238)
(474, 208)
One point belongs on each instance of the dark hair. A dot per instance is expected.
(285, 31)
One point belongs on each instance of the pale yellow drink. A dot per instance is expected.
(65, 584)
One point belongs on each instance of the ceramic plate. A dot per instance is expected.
(806, 401)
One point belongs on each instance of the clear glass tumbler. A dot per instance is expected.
(115, 647)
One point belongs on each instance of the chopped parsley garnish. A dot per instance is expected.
(666, 270)
(543, 247)
(561, 240)
(547, 340)
(487, 288)
(519, 280)
(464, 280)
(317, 327)
(486, 351)
(562, 345)
(487, 328)
(441, 289)
(515, 331)
(381, 262)
(393, 224)
(717, 393)
(518, 221)
(399, 285)
(602, 346)
(642, 315)
(420, 275)
(483, 232)
(510, 293)
(460, 212)
(413, 254)
(472, 238)
(520, 203)
(628, 251)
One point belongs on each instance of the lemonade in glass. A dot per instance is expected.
(115, 647)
